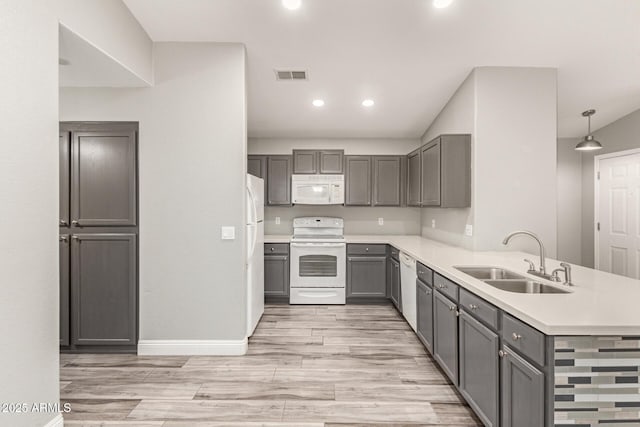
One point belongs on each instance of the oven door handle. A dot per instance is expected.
(318, 245)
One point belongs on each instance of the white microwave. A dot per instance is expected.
(317, 189)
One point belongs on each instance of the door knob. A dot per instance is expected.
(503, 353)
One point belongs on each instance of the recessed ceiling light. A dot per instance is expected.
(318, 102)
(292, 4)
(441, 4)
(368, 103)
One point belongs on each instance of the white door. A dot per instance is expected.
(618, 241)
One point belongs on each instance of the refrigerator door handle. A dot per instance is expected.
(254, 209)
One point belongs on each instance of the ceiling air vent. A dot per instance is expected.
(291, 75)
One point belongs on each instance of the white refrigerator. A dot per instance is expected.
(255, 252)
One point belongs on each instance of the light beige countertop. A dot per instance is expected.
(599, 304)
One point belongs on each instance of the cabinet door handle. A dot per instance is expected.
(441, 286)
(428, 292)
(74, 222)
(273, 249)
(473, 306)
(366, 249)
(503, 353)
(452, 307)
(63, 222)
(515, 336)
(64, 239)
(75, 238)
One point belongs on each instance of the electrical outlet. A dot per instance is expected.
(468, 230)
(277, 220)
(433, 223)
(380, 221)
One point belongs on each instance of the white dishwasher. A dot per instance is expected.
(408, 279)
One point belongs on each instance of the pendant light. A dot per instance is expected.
(589, 143)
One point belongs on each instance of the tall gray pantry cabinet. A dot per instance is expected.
(98, 236)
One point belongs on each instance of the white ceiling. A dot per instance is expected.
(87, 66)
(409, 57)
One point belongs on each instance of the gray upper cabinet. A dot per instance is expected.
(103, 178)
(424, 305)
(522, 392)
(479, 369)
(413, 178)
(257, 166)
(430, 156)
(445, 335)
(310, 162)
(65, 279)
(103, 289)
(64, 177)
(279, 180)
(331, 162)
(387, 180)
(366, 277)
(357, 181)
(446, 172)
(305, 161)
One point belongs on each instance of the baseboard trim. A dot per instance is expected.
(58, 421)
(192, 347)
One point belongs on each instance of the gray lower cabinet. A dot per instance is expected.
(366, 277)
(394, 279)
(387, 180)
(357, 181)
(65, 281)
(103, 178)
(522, 392)
(479, 368)
(276, 270)
(424, 305)
(103, 289)
(445, 335)
(278, 181)
(414, 178)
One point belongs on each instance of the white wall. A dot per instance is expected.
(29, 208)
(110, 26)
(623, 134)
(192, 156)
(569, 201)
(357, 220)
(515, 156)
(457, 116)
(511, 114)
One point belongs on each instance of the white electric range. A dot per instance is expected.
(318, 261)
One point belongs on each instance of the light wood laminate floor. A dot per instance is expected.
(307, 366)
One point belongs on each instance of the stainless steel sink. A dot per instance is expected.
(489, 273)
(524, 286)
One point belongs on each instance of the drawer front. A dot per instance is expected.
(276, 248)
(479, 308)
(524, 338)
(424, 273)
(394, 253)
(446, 286)
(362, 249)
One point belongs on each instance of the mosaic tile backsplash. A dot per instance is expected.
(596, 381)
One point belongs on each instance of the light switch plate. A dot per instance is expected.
(380, 221)
(228, 233)
(277, 220)
(468, 230)
(433, 223)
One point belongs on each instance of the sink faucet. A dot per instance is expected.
(542, 272)
(564, 268)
